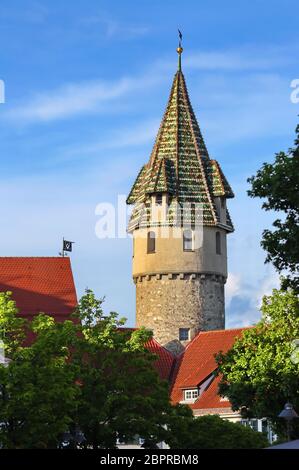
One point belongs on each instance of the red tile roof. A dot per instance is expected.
(197, 363)
(47, 285)
(40, 285)
(165, 362)
(210, 398)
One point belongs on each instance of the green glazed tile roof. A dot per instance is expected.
(217, 180)
(179, 165)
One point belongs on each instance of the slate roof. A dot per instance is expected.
(39, 285)
(180, 165)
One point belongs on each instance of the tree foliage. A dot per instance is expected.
(258, 374)
(278, 184)
(211, 432)
(37, 390)
(90, 374)
(121, 393)
(82, 374)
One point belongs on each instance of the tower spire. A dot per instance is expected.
(180, 51)
(180, 224)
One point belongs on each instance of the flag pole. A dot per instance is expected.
(62, 247)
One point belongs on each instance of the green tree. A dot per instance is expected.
(12, 327)
(278, 183)
(37, 388)
(211, 432)
(259, 374)
(87, 373)
(121, 393)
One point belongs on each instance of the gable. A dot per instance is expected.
(198, 362)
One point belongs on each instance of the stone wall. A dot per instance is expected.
(167, 302)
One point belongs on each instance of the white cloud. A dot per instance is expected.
(113, 28)
(232, 287)
(34, 12)
(117, 29)
(69, 100)
(136, 135)
(245, 58)
(243, 299)
(265, 287)
(246, 105)
(74, 99)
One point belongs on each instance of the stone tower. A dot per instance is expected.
(179, 224)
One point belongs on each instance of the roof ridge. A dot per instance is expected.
(227, 329)
(200, 333)
(203, 173)
(219, 173)
(157, 141)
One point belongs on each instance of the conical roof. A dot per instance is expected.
(180, 164)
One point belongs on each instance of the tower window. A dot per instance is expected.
(151, 242)
(159, 199)
(187, 240)
(218, 243)
(184, 334)
(223, 203)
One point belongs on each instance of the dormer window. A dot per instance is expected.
(159, 199)
(191, 395)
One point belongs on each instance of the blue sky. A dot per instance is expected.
(86, 86)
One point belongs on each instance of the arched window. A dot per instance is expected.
(187, 240)
(218, 243)
(151, 242)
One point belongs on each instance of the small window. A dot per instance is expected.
(190, 395)
(184, 334)
(253, 423)
(159, 199)
(218, 243)
(265, 427)
(187, 240)
(223, 203)
(151, 242)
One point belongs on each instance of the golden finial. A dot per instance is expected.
(180, 50)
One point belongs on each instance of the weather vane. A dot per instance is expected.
(180, 49)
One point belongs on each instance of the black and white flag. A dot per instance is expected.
(67, 246)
